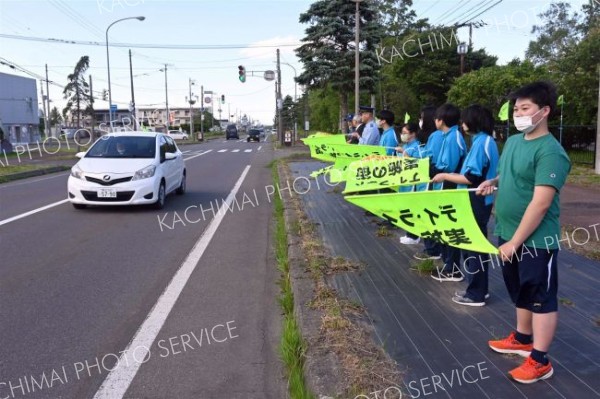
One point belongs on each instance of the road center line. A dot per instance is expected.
(23, 215)
(118, 380)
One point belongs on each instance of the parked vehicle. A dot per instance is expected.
(177, 135)
(131, 168)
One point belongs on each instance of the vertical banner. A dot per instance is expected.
(444, 216)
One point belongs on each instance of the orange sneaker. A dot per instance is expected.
(511, 345)
(531, 371)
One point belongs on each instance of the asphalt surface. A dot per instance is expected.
(77, 285)
(441, 347)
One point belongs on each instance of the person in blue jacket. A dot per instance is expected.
(481, 164)
(370, 134)
(449, 160)
(410, 148)
(388, 138)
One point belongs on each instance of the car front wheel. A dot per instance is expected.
(182, 186)
(160, 201)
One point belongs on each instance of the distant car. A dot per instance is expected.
(177, 135)
(131, 168)
(253, 135)
(231, 132)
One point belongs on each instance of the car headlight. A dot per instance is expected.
(145, 173)
(77, 172)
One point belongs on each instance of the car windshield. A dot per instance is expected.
(123, 147)
(254, 132)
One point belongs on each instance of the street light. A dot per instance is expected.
(108, 66)
(462, 50)
(295, 99)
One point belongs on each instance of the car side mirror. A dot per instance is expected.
(169, 156)
(80, 154)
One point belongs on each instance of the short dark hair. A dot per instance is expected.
(412, 127)
(427, 116)
(387, 116)
(448, 113)
(542, 92)
(478, 119)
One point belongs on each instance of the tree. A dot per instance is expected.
(328, 49)
(55, 117)
(395, 16)
(77, 92)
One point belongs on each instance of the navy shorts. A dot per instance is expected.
(531, 278)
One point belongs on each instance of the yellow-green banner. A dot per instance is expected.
(444, 216)
(383, 172)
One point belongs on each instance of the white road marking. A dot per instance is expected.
(195, 156)
(186, 151)
(249, 150)
(225, 150)
(118, 380)
(235, 150)
(259, 147)
(21, 216)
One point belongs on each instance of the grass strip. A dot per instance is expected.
(292, 347)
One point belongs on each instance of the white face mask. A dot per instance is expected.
(525, 123)
(420, 123)
(404, 137)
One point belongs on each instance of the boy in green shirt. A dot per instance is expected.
(532, 170)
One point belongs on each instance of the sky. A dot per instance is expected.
(250, 31)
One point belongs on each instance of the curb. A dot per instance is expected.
(32, 173)
(321, 369)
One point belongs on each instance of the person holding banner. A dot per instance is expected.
(388, 138)
(433, 137)
(357, 126)
(410, 149)
(449, 160)
(533, 168)
(481, 163)
(370, 134)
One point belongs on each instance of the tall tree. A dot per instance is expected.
(395, 16)
(55, 117)
(77, 91)
(328, 49)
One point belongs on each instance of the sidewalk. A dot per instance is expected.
(441, 347)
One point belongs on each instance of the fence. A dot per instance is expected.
(579, 141)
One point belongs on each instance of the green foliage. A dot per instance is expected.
(491, 86)
(77, 92)
(324, 107)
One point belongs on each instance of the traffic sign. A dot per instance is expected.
(113, 107)
(207, 100)
(269, 75)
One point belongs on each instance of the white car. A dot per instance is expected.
(131, 168)
(177, 135)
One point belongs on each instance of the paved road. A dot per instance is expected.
(78, 287)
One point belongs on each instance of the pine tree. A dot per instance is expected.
(77, 92)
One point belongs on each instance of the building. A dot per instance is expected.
(19, 115)
(154, 117)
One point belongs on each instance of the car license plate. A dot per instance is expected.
(107, 193)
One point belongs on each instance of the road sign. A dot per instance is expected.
(269, 75)
(113, 107)
(207, 100)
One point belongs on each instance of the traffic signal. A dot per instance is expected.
(242, 72)
(104, 94)
(222, 98)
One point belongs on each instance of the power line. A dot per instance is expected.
(490, 7)
(447, 16)
(143, 45)
(476, 12)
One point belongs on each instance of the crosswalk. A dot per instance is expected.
(223, 150)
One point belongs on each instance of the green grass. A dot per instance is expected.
(292, 346)
(583, 176)
(425, 267)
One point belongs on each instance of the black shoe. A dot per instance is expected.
(463, 293)
(463, 300)
(426, 256)
(445, 276)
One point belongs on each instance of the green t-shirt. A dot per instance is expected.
(525, 164)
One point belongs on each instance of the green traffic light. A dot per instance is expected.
(242, 78)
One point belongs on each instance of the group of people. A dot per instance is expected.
(526, 179)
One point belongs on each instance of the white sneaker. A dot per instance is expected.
(409, 241)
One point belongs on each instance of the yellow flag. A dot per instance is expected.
(344, 154)
(382, 172)
(406, 117)
(444, 216)
(560, 100)
(503, 114)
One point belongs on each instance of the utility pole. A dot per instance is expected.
(48, 101)
(166, 98)
(93, 122)
(132, 108)
(201, 112)
(598, 132)
(279, 101)
(44, 105)
(357, 57)
(191, 100)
